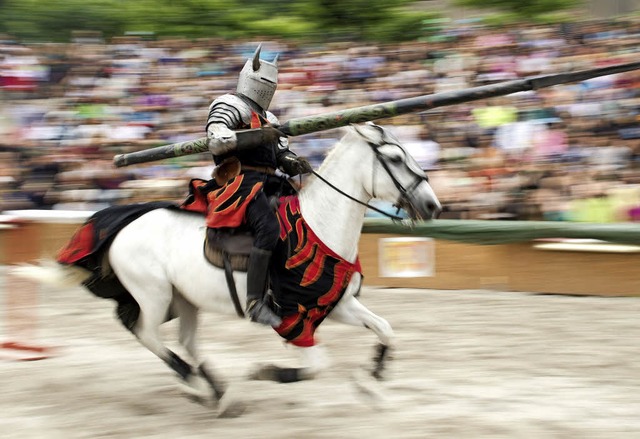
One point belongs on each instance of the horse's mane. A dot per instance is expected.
(332, 151)
(349, 132)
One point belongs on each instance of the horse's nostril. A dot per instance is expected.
(433, 208)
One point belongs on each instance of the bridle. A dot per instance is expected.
(405, 199)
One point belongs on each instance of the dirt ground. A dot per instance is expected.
(468, 364)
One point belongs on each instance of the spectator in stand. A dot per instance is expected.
(59, 97)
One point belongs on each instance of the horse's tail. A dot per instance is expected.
(51, 273)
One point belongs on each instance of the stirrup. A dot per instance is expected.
(260, 312)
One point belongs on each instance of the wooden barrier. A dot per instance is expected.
(515, 267)
(40, 233)
(27, 236)
(523, 266)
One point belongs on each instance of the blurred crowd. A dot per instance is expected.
(566, 153)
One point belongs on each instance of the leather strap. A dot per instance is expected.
(231, 283)
(262, 169)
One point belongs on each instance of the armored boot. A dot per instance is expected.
(257, 271)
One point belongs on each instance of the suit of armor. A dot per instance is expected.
(248, 151)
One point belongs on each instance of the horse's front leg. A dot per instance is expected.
(351, 312)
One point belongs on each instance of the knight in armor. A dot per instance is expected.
(247, 150)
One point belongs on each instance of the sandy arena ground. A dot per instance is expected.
(468, 364)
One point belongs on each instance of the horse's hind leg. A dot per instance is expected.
(154, 294)
(147, 330)
(351, 312)
(188, 338)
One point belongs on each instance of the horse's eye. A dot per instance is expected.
(395, 159)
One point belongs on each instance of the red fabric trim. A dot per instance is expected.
(308, 320)
(255, 120)
(80, 245)
(197, 202)
(224, 210)
(311, 253)
(292, 203)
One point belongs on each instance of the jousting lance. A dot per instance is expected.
(337, 119)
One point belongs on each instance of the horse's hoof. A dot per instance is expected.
(231, 405)
(197, 399)
(195, 388)
(368, 388)
(232, 409)
(263, 372)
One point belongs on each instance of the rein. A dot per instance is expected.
(341, 192)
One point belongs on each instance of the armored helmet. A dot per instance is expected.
(258, 79)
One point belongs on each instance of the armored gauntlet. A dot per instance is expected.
(294, 165)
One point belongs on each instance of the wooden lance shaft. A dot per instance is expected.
(312, 124)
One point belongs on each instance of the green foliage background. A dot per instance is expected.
(313, 20)
(523, 9)
(322, 20)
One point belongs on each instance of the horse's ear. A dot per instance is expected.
(359, 131)
(356, 128)
(364, 131)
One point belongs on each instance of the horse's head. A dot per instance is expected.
(396, 176)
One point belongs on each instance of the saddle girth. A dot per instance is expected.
(229, 250)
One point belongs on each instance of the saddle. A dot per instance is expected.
(228, 248)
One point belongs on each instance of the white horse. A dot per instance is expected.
(159, 259)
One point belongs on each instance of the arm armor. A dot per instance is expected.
(228, 123)
(220, 139)
(226, 114)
